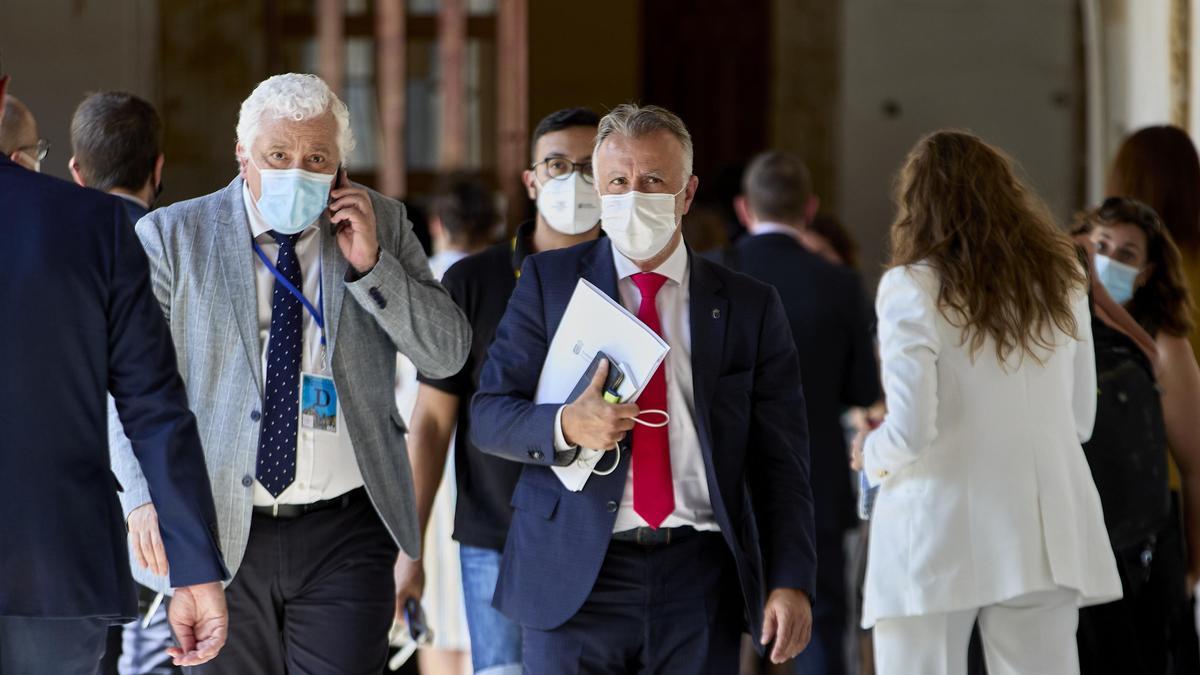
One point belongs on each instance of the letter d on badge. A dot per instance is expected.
(318, 403)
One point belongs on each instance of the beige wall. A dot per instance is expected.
(806, 87)
(215, 54)
(57, 51)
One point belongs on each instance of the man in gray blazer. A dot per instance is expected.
(288, 294)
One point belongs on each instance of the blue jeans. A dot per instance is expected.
(495, 640)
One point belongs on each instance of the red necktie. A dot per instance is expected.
(653, 490)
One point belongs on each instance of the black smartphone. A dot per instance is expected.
(414, 616)
(611, 383)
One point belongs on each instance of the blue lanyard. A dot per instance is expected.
(317, 315)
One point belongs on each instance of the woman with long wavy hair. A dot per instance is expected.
(987, 510)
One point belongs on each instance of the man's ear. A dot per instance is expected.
(158, 168)
(810, 209)
(530, 181)
(689, 192)
(75, 174)
(240, 152)
(745, 215)
(3, 91)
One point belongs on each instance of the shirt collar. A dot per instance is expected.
(673, 268)
(258, 224)
(776, 228)
(131, 198)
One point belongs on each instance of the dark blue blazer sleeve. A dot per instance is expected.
(144, 380)
(862, 386)
(778, 466)
(505, 421)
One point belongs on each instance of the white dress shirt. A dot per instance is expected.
(775, 228)
(325, 462)
(693, 506)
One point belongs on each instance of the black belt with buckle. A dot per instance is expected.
(648, 536)
(290, 511)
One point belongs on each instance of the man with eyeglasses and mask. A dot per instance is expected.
(704, 528)
(559, 180)
(19, 136)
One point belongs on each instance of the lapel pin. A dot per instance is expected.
(716, 313)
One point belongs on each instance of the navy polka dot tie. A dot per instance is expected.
(277, 440)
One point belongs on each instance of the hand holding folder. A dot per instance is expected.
(595, 324)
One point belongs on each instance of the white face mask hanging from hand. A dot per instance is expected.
(640, 224)
(666, 418)
(569, 204)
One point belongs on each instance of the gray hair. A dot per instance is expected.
(295, 97)
(632, 120)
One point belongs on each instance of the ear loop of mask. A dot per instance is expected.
(666, 418)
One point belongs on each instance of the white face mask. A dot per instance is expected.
(640, 224)
(569, 204)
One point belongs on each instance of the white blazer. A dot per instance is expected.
(985, 491)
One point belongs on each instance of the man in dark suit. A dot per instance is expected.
(115, 141)
(831, 323)
(82, 320)
(704, 529)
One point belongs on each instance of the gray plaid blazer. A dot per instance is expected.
(202, 270)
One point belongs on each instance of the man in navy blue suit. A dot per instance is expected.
(81, 320)
(705, 528)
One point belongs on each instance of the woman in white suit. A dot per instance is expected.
(986, 508)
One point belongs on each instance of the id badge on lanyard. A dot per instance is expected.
(318, 393)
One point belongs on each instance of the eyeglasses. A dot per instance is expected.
(558, 168)
(42, 149)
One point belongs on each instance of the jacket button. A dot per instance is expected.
(536, 455)
(255, 416)
(247, 480)
(611, 506)
(377, 297)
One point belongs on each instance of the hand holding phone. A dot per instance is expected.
(353, 217)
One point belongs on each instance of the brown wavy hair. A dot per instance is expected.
(1006, 270)
(1159, 167)
(1163, 303)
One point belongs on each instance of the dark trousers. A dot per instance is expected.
(1136, 633)
(826, 653)
(314, 595)
(675, 608)
(33, 646)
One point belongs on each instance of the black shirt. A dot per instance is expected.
(481, 285)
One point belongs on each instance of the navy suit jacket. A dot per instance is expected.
(80, 320)
(832, 323)
(749, 417)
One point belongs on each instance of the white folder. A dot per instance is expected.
(594, 322)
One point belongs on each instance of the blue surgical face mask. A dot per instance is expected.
(291, 199)
(1119, 279)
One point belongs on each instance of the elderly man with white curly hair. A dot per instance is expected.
(288, 294)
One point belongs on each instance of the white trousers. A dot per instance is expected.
(1032, 634)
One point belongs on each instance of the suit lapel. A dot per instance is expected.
(598, 268)
(232, 248)
(333, 272)
(709, 312)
